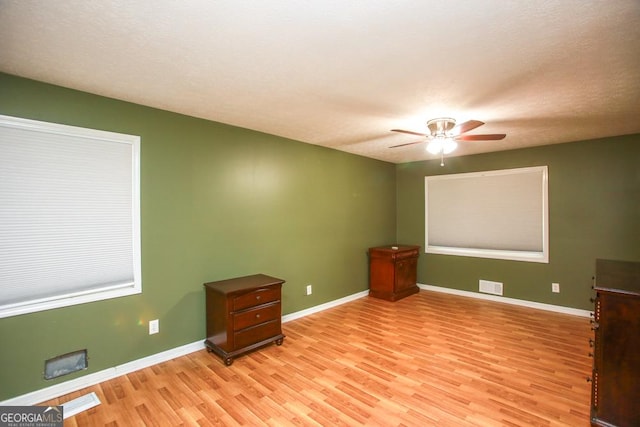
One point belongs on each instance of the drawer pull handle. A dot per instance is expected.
(257, 316)
(258, 297)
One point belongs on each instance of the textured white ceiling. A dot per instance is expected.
(342, 73)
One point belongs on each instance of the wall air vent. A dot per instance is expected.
(65, 364)
(489, 287)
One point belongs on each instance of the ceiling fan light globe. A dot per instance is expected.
(449, 145)
(434, 146)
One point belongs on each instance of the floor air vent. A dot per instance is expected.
(80, 404)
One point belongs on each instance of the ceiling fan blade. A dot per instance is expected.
(409, 132)
(408, 143)
(466, 126)
(488, 137)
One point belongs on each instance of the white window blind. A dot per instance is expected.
(69, 215)
(495, 214)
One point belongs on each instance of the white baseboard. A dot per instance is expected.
(513, 301)
(322, 307)
(76, 384)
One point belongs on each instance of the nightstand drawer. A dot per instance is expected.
(257, 333)
(257, 297)
(261, 314)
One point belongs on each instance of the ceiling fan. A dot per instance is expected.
(443, 134)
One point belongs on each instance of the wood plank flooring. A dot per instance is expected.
(429, 359)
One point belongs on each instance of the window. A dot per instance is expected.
(495, 214)
(69, 215)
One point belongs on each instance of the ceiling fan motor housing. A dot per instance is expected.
(441, 126)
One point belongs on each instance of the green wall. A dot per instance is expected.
(219, 202)
(216, 202)
(594, 212)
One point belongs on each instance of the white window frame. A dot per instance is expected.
(541, 256)
(97, 292)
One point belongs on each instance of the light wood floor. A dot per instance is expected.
(429, 359)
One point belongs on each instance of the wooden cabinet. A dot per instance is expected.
(243, 314)
(615, 389)
(393, 271)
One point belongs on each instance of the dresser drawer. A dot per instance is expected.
(257, 333)
(405, 254)
(255, 316)
(257, 297)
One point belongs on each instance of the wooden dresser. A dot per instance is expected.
(615, 388)
(393, 271)
(243, 314)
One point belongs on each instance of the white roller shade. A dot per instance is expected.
(497, 214)
(69, 215)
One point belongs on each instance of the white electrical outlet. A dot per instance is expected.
(154, 326)
(555, 287)
(309, 290)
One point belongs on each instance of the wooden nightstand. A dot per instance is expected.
(243, 314)
(393, 271)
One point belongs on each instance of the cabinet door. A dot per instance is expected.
(618, 359)
(406, 273)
